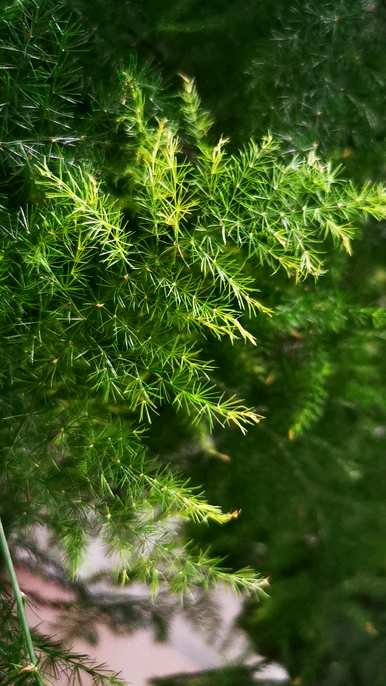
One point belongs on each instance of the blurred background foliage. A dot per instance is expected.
(222, 677)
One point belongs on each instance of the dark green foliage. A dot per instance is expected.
(312, 71)
(222, 677)
(42, 86)
(325, 81)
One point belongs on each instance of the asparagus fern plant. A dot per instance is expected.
(132, 241)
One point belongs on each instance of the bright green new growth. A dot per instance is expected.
(114, 277)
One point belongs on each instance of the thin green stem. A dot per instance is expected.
(19, 604)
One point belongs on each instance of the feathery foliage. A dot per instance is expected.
(313, 506)
(137, 254)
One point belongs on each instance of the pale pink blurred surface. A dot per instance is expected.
(137, 656)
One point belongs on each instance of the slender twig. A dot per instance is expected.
(20, 606)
